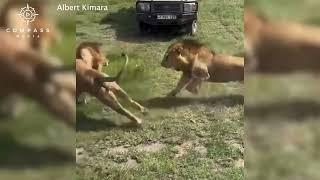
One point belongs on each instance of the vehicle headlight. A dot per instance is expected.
(190, 7)
(143, 6)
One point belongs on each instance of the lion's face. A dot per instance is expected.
(99, 58)
(173, 58)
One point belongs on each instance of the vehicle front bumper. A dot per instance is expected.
(151, 18)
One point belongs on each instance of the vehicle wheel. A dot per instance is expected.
(193, 28)
(143, 28)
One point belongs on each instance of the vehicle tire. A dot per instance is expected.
(143, 27)
(193, 28)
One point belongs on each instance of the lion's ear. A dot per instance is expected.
(200, 70)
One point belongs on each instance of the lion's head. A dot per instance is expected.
(182, 54)
(176, 57)
(98, 58)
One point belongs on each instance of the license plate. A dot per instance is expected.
(166, 17)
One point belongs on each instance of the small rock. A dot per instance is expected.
(239, 163)
(131, 163)
(118, 150)
(127, 146)
(154, 147)
(201, 150)
(81, 155)
(236, 146)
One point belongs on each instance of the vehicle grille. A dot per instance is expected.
(167, 7)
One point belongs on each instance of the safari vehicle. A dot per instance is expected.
(155, 13)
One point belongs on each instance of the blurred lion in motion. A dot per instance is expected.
(28, 73)
(27, 68)
(280, 47)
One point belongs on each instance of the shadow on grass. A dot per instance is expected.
(14, 155)
(168, 102)
(293, 110)
(85, 123)
(126, 26)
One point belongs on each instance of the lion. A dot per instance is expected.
(27, 73)
(95, 63)
(280, 47)
(198, 64)
(38, 35)
(105, 88)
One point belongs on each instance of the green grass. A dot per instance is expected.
(295, 10)
(35, 145)
(282, 112)
(212, 121)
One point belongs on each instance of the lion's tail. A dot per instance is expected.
(118, 76)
